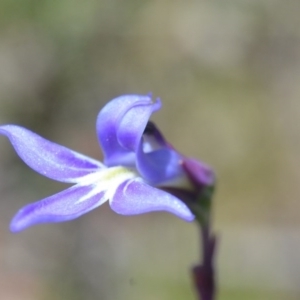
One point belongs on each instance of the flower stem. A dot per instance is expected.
(204, 273)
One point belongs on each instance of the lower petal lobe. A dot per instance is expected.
(66, 205)
(135, 197)
(48, 158)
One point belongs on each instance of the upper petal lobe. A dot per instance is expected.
(120, 125)
(48, 158)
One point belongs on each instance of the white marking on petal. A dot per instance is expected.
(107, 180)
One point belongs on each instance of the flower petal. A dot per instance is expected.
(66, 205)
(135, 197)
(47, 158)
(159, 166)
(156, 160)
(120, 125)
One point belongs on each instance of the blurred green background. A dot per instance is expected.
(228, 73)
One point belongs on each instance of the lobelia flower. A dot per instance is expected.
(138, 164)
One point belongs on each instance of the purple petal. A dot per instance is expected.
(156, 160)
(47, 158)
(66, 205)
(120, 125)
(135, 197)
(159, 166)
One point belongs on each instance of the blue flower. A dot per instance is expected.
(138, 165)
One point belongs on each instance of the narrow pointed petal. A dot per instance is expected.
(66, 205)
(135, 197)
(47, 158)
(120, 125)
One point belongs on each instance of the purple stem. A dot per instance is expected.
(203, 274)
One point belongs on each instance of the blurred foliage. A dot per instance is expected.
(228, 74)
